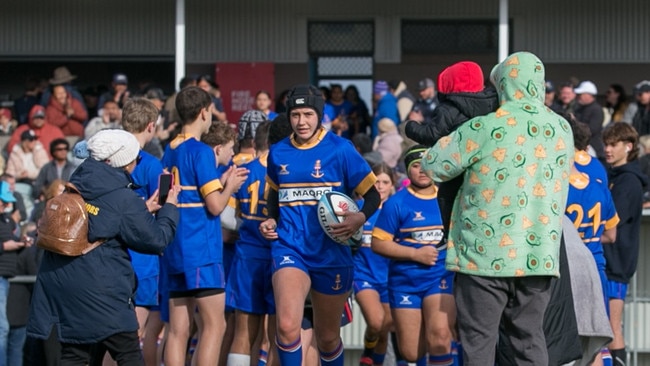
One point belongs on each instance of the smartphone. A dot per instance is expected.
(165, 182)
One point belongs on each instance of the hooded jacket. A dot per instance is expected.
(627, 184)
(506, 219)
(90, 298)
(461, 96)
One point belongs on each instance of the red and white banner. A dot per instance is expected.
(239, 82)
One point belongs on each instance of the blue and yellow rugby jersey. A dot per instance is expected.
(301, 174)
(413, 220)
(252, 210)
(592, 211)
(145, 176)
(198, 240)
(368, 265)
(589, 165)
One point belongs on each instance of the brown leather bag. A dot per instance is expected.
(63, 228)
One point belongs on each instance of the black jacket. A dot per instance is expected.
(20, 293)
(8, 259)
(453, 110)
(627, 184)
(90, 298)
(593, 115)
(641, 120)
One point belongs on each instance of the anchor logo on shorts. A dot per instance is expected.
(337, 283)
(443, 285)
(317, 173)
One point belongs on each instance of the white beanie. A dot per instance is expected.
(117, 147)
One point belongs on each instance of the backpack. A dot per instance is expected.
(63, 228)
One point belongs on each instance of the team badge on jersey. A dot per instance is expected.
(317, 173)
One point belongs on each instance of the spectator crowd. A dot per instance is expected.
(488, 212)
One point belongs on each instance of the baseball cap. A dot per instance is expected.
(426, 83)
(28, 135)
(586, 87)
(380, 87)
(642, 87)
(155, 93)
(37, 111)
(5, 193)
(5, 112)
(120, 79)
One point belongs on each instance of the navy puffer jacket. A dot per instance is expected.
(90, 298)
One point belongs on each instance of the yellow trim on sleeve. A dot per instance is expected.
(611, 223)
(272, 184)
(211, 186)
(191, 205)
(232, 202)
(365, 184)
(382, 235)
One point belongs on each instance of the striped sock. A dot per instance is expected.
(334, 358)
(263, 358)
(369, 346)
(607, 357)
(289, 354)
(457, 353)
(441, 360)
(422, 361)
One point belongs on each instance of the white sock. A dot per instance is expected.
(237, 359)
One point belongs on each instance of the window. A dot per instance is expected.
(424, 37)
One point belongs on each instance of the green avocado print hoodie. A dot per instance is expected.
(507, 217)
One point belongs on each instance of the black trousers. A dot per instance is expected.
(123, 347)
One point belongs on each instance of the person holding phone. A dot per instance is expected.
(90, 298)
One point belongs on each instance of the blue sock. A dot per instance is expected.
(289, 354)
(378, 359)
(422, 361)
(441, 360)
(457, 353)
(607, 357)
(263, 358)
(334, 358)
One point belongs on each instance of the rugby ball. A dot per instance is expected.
(331, 202)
